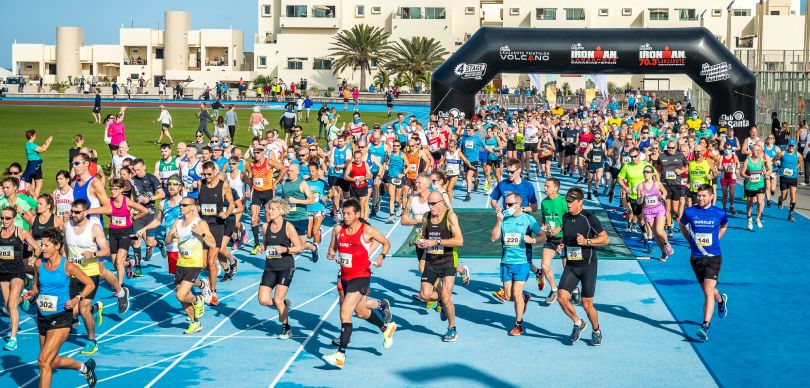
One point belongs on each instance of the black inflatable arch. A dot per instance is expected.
(692, 51)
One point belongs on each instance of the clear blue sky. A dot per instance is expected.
(102, 19)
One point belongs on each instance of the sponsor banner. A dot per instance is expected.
(736, 120)
(580, 55)
(470, 71)
(508, 54)
(714, 73)
(650, 57)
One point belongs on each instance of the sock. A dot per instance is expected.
(286, 326)
(519, 323)
(538, 272)
(119, 293)
(576, 291)
(596, 328)
(138, 255)
(345, 335)
(375, 320)
(554, 289)
(792, 206)
(255, 230)
(705, 324)
(93, 308)
(578, 322)
(83, 368)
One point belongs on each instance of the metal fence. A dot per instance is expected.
(783, 92)
(773, 60)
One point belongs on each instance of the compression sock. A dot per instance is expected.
(255, 230)
(345, 336)
(375, 320)
(792, 206)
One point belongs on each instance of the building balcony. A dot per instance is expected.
(309, 22)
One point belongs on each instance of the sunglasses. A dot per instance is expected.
(234, 164)
(77, 212)
(185, 204)
(258, 150)
(302, 155)
(510, 171)
(433, 203)
(510, 204)
(7, 218)
(648, 172)
(77, 163)
(173, 184)
(15, 172)
(313, 149)
(634, 155)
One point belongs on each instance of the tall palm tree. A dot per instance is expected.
(357, 47)
(383, 79)
(417, 55)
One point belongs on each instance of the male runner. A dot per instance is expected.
(216, 205)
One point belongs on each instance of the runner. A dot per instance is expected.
(162, 223)
(729, 165)
(281, 241)
(298, 195)
(54, 277)
(316, 211)
(12, 268)
(350, 248)
(552, 210)
(630, 176)
(216, 205)
(441, 235)
(146, 190)
(394, 179)
(753, 171)
(578, 242)
(63, 195)
(451, 164)
(672, 165)
(168, 164)
(472, 146)
(339, 157)
(263, 184)
(703, 227)
(515, 230)
(791, 161)
(85, 243)
(358, 174)
(165, 123)
(121, 228)
(594, 158)
(651, 193)
(194, 240)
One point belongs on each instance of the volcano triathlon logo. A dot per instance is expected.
(647, 56)
(597, 56)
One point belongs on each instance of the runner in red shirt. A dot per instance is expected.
(350, 247)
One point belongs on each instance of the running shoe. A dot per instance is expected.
(576, 297)
(703, 332)
(750, 224)
(337, 359)
(4, 310)
(11, 344)
(205, 289)
(759, 223)
(388, 335)
(499, 296)
(442, 312)
(148, 256)
(790, 217)
(577, 332)
(580, 179)
(255, 250)
(670, 250)
(475, 184)
(244, 237)
(315, 253)
(611, 197)
(552, 297)
(99, 308)
(385, 311)
(226, 276)
(467, 198)
(234, 267)
(780, 204)
(486, 185)
(451, 335)
(123, 302)
(465, 275)
(541, 281)
(162, 248)
(390, 220)
(90, 375)
(417, 297)
(25, 304)
(193, 327)
(199, 307)
(285, 334)
(431, 305)
(589, 196)
(90, 347)
(722, 307)
(517, 330)
(596, 338)
(128, 270)
(137, 273)
(733, 211)
(670, 234)
(214, 299)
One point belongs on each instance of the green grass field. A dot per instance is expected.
(63, 123)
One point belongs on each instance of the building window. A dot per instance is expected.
(296, 11)
(774, 13)
(29, 66)
(603, 12)
(323, 11)
(266, 10)
(295, 63)
(158, 53)
(262, 61)
(546, 13)
(376, 10)
(514, 11)
(741, 12)
(52, 68)
(717, 12)
(134, 51)
(435, 13)
(659, 14)
(322, 64)
(410, 12)
(688, 14)
(469, 10)
(360, 11)
(372, 63)
(627, 11)
(574, 14)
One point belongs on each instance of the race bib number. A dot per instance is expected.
(512, 239)
(434, 148)
(345, 260)
(437, 249)
(728, 167)
(684, 181)
(650, 201)
(293, 207)
(188, 186)
(453, 169)
(787, 172)
(696, 185)
(569, 140)
(272, 253)
(118, 221)
(469, 144)
(259, 182)
(78, 260)
(413, 167)
(62, 212)
(47, 303)
(396, 181)
(670, 175)
(185, 252)
(625, 159)
(573, 253)
(703, 239)
(317, 197)
(583, 144)
(340, 170)
(358, 180)
(208, 209)
(551, 225)
(755, 178)
(597, 159)
(6, 252)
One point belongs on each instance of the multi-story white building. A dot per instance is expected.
(294, 37)
(176, 53)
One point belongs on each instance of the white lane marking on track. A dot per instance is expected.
(216, 341)
(304, 344)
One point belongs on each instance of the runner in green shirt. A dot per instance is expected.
(12, 198)
(552, 209)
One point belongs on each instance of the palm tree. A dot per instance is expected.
(418, 56)
(357, 47)
(383, 79)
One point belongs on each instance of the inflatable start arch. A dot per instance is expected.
(691, 51)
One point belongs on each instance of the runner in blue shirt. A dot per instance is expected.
(514, 184)
(471, 145)
(703, 227)
(517, 232)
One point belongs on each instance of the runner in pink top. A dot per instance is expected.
(121, 233)
(651, 194)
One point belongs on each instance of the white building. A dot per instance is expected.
(294, 37)
(176, 53)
